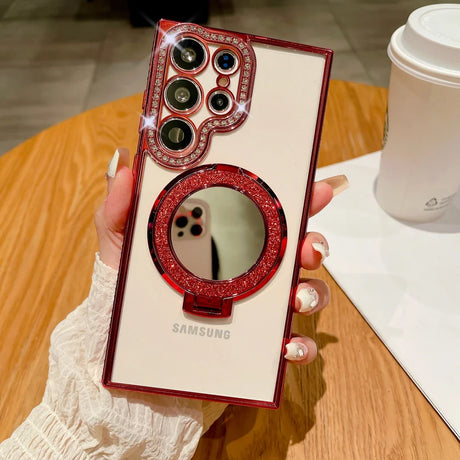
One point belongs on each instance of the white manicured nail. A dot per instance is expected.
(322, 249)
(113, 164)
(338, 183)
(308, 299)
(296, 351)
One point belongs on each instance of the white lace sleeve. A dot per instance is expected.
(80, 419)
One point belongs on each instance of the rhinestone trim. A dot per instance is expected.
(232, 120)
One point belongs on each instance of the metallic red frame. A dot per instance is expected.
(214, 298)
(167, 35)
(225, 48)
(222, 89)
(138, 168)
(193, 109)
(194, 71)
(178, 154)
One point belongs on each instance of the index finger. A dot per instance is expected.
(325, 190)
(321, 197)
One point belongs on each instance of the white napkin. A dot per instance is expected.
(403, 278)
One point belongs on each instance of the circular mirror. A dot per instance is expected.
(217, 233)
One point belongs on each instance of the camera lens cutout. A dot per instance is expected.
(181, 221)
(196, 230)
(220, 102)
(182, 94)
(189, 54)
(176, 134)
(226, 62)
(197, 212)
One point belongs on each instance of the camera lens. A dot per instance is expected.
(182, 94)
(220, 102)
(188, 54)
(176, 134)
(197, 212)
(196, 230)
(226, 61)
(181, 221)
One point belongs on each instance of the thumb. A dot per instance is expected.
(120, 158)
(117, 203)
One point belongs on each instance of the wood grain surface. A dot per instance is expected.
(353, 402)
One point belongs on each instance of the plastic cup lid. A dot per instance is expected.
(428, 46)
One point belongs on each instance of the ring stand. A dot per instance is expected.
(211, 298)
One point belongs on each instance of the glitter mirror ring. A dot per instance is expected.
(209, 297)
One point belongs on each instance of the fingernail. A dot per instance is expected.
(308, 299)
(113, 164)
(296, 351)
(322, 249)
(338, 183)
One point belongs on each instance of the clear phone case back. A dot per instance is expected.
(224, 172)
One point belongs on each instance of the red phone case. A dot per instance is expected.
(233, 120)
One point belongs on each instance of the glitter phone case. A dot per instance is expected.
(224, 171)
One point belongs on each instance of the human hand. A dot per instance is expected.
(112, 214)
(312, 294)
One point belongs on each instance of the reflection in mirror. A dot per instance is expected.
(218, 233)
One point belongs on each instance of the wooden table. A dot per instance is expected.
(353, 402)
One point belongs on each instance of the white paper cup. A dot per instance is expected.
(420, 166)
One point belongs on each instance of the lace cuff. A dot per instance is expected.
(80, 419)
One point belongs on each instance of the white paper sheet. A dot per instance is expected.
(403, 278)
